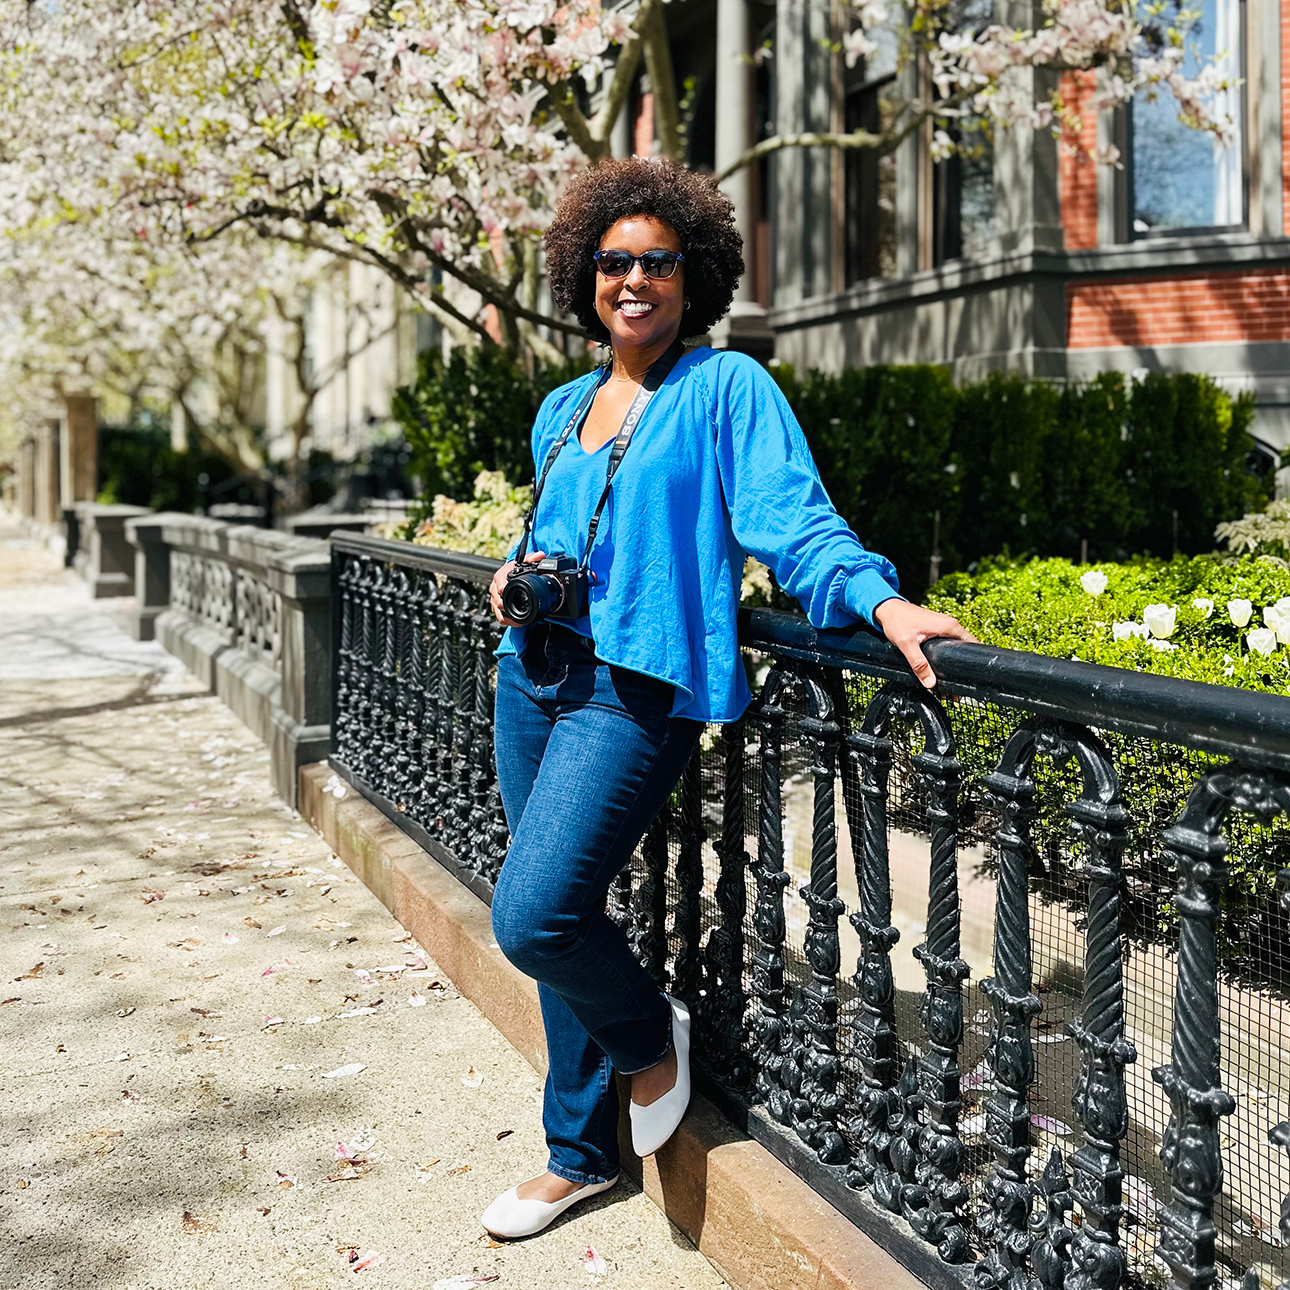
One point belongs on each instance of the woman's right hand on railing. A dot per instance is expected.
(499, 581)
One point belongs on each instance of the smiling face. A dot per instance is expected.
(640, 312)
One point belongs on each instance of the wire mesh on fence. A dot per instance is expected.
(1254, 962)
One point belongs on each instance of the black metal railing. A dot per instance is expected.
(1116, 835)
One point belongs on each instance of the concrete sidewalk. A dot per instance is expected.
(186, 974)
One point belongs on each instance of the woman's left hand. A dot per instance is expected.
(907, 626)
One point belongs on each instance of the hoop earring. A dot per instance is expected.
(687, 304)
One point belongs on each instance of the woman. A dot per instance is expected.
(599, 711)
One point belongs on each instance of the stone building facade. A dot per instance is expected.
(1024, 255)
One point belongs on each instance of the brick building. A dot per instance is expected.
(1022, 255)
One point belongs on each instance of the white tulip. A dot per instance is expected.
(1162, 645)
(1278, 620)
(1094, 582)
(1123, 631)
(1239, 612)
(1161, 620)
(1205, 605)
(1261, 641)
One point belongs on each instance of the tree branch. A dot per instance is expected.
(576, 125)
(620, 85)
(658, 61)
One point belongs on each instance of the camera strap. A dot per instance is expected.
(654, 378)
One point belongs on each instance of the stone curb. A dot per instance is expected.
(755, 1221)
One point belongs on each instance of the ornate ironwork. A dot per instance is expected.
(648, 935)
(687, 969)
(883, 1110)
(813, 1071)
(1100, 1101)
(720, 1014)
(776, 1017)
(413, 702)
(768, 1020)
(1191, 1149)
(1005, 1223)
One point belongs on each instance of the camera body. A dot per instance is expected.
(553, 587)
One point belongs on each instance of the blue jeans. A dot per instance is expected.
(586, 756)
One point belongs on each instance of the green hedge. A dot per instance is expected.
(138, 467)
(1125, 467)
(1042, 605)
(1011, 465)
(470, 412)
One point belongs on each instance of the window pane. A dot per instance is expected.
(869, 239)
(1183, 178)
(963, 211)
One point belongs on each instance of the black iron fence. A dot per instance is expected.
(1079, 1077)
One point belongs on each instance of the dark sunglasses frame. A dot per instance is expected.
(670, 259)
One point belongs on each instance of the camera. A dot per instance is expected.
(553, 587)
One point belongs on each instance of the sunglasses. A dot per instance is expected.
(656, 264)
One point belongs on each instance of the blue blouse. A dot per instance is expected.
(718, 466)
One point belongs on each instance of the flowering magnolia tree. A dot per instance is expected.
(185, 326)
(430, 137)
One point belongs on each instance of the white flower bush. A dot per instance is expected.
(1147, 619)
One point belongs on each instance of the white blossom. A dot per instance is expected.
(415, 135)
(1161, 620)
(1239, 612)
(1125, 631)
(1094, 582)
(1204, 605)
(1278, 620)
(1261, 641)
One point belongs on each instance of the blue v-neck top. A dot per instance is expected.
(718, 466)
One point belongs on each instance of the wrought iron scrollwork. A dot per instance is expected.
(413, 728)
(812, 1069)
(648, 932)
(687, 966)
(1094, 1259)
(1191, 1150)
(912, 1149)
(721, 1010)
(768, 1019)
(414, 700)
(1100, 1100)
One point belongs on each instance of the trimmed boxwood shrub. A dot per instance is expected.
(470, 412)
(1042, 606)
(1113, 467)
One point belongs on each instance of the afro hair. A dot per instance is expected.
(699, 212)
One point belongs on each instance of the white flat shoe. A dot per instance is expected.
(510, 1216)
(652, 1125)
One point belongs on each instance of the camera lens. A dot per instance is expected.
(530, 597)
